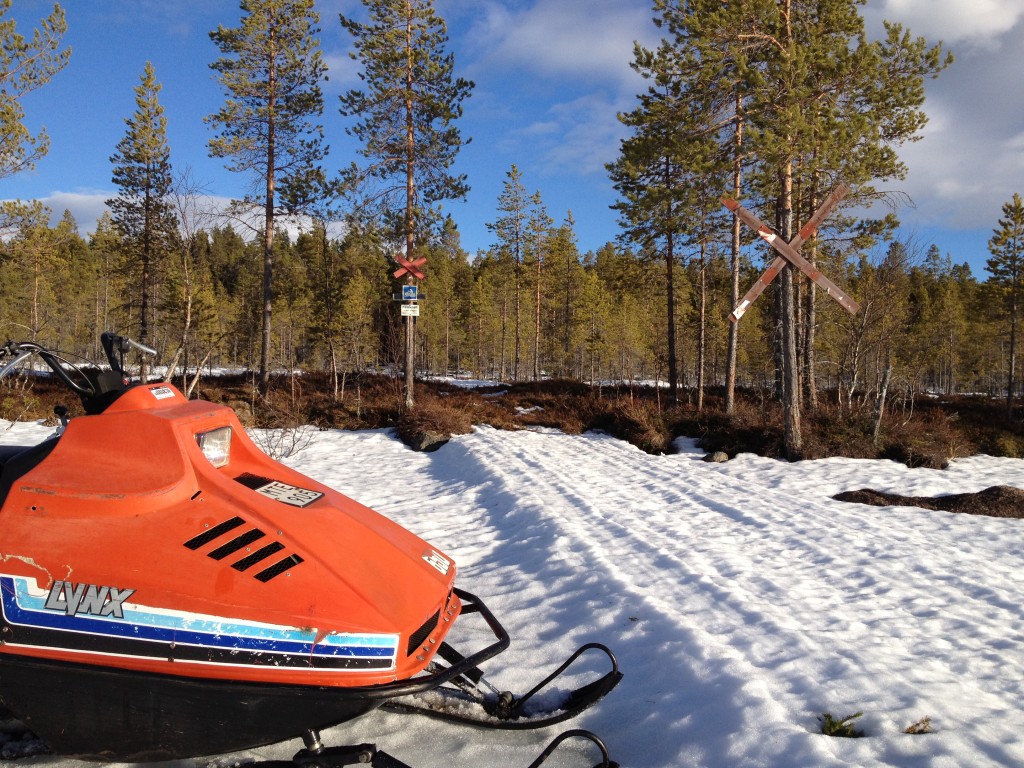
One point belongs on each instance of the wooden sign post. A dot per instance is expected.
(409, 267)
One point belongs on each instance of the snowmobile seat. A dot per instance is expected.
(19, 461)
(8, 452)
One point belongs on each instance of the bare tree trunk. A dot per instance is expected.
(334, 366)
(673, 372)
(792, 434)
(518, 269)
(734, 331)
(268, 224)
(702, 328)
(883, 391)
(810, 320)
(410, 207)
(1012, 377)
(536, 320)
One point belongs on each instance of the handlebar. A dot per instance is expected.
(142, 348)
(116, 346)
(14, 353)
(19, 351)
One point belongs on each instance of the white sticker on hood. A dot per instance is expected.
(438, 560)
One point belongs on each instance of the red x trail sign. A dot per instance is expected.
(410, 266)
(790, 253)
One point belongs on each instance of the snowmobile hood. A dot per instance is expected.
(127, 501)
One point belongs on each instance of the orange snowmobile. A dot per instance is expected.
(169, 591)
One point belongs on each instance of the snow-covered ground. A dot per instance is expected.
(741, 600)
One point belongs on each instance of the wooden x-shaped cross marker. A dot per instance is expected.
(411, 267)
(790, 252)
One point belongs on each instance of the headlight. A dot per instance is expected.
(216, 445)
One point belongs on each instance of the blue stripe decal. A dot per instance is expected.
(24, 605)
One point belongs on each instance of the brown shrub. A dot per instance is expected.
(433, 422)
(925, 432)
(638, 421)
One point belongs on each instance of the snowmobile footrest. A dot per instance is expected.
(316, 755)
(606, 761)
(579, 699)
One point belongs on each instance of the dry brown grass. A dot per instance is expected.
(929, 435)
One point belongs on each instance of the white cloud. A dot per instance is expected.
(1016, 144)
(86, 206)
(342, 71)
(588, 40)
(974, 21)
(969, 159)
(591, 135)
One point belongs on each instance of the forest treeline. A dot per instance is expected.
(552, 313)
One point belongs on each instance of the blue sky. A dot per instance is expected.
(550, 77)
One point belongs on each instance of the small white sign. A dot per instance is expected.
(410, 310)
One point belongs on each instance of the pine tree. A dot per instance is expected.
(510, 229)
(671, 169)
(538, 230)
(105, 244)
(446, 285)
(142, 210)
(819, 102)
(827, 103)
(706, 50)
(271, 71)
(564, 332)
(24, 67)
(323, 259)
(31, 267)
(1007, 269)
(405, 116)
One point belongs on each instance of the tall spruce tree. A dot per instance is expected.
(538, 230)
(142, 209)
(1007, 269)
(405, 117)
(24, 67)
(271, 71)
(30, 264)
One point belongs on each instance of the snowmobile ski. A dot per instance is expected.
(470, 699)
(480, 704)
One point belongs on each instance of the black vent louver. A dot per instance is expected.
(247, 538)
(257, 557)
(420, 635)
(229, 546)
(278, 568)
(214, 533)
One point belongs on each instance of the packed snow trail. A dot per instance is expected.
(741, 600)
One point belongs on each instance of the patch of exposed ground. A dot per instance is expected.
(997, 501)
